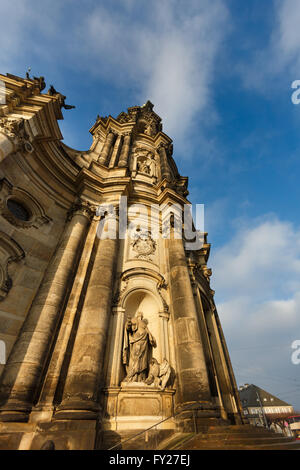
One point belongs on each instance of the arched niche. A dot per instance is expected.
(138, 291)
(143, 300)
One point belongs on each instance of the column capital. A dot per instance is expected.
(167, 146)
(162, 145)
(80, 207)
(12, 127)
(112, 131)
(116, 310)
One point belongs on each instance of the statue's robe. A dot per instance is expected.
(137, 353)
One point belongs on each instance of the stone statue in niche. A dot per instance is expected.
(137, 349)
(150, 129)
(143, 166)
(159, 374)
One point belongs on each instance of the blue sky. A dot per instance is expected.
(220, 75)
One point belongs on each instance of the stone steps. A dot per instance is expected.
(175, 440)
(229, 438)
(209, 438)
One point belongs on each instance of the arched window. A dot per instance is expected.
(18, 210)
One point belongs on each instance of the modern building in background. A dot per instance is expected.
(261, 407)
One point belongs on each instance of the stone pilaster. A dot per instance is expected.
(164, 337)
(164, 165)
(123, 161)
(103, 158)
(191, 368)
(82, 387)
(114, 360)
(116, 151)
(22, 373)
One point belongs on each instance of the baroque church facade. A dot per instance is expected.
(105, 336)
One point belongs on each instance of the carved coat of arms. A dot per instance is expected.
(144, 246)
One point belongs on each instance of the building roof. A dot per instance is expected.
(249, 397)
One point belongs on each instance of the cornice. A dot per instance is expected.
(95, 186)
(105, 123)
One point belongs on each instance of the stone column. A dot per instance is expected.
(45, 403)
(106, 148)
(191, 368)
(22, 373)
(116, 151)
(228, 384)
(82, 387)
(164, 165)
(208, 345)
(123, 161)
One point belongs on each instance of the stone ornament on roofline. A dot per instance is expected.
(14, 129)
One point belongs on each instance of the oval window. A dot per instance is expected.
(18, 210)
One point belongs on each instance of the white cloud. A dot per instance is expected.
(169, 55)
(256, 276)
(280, 57)
(288, 32)
(263, 258)
(166, 51)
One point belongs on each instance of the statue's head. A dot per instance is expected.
(143, 322)
(134, 324)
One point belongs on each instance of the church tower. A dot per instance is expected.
(106, 309)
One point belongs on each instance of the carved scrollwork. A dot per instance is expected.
(162, 284)
(123, 118)
(15, 130)
(10, 252)
(82, 207)
(207, 272)
(12, 127)
(119, 292)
